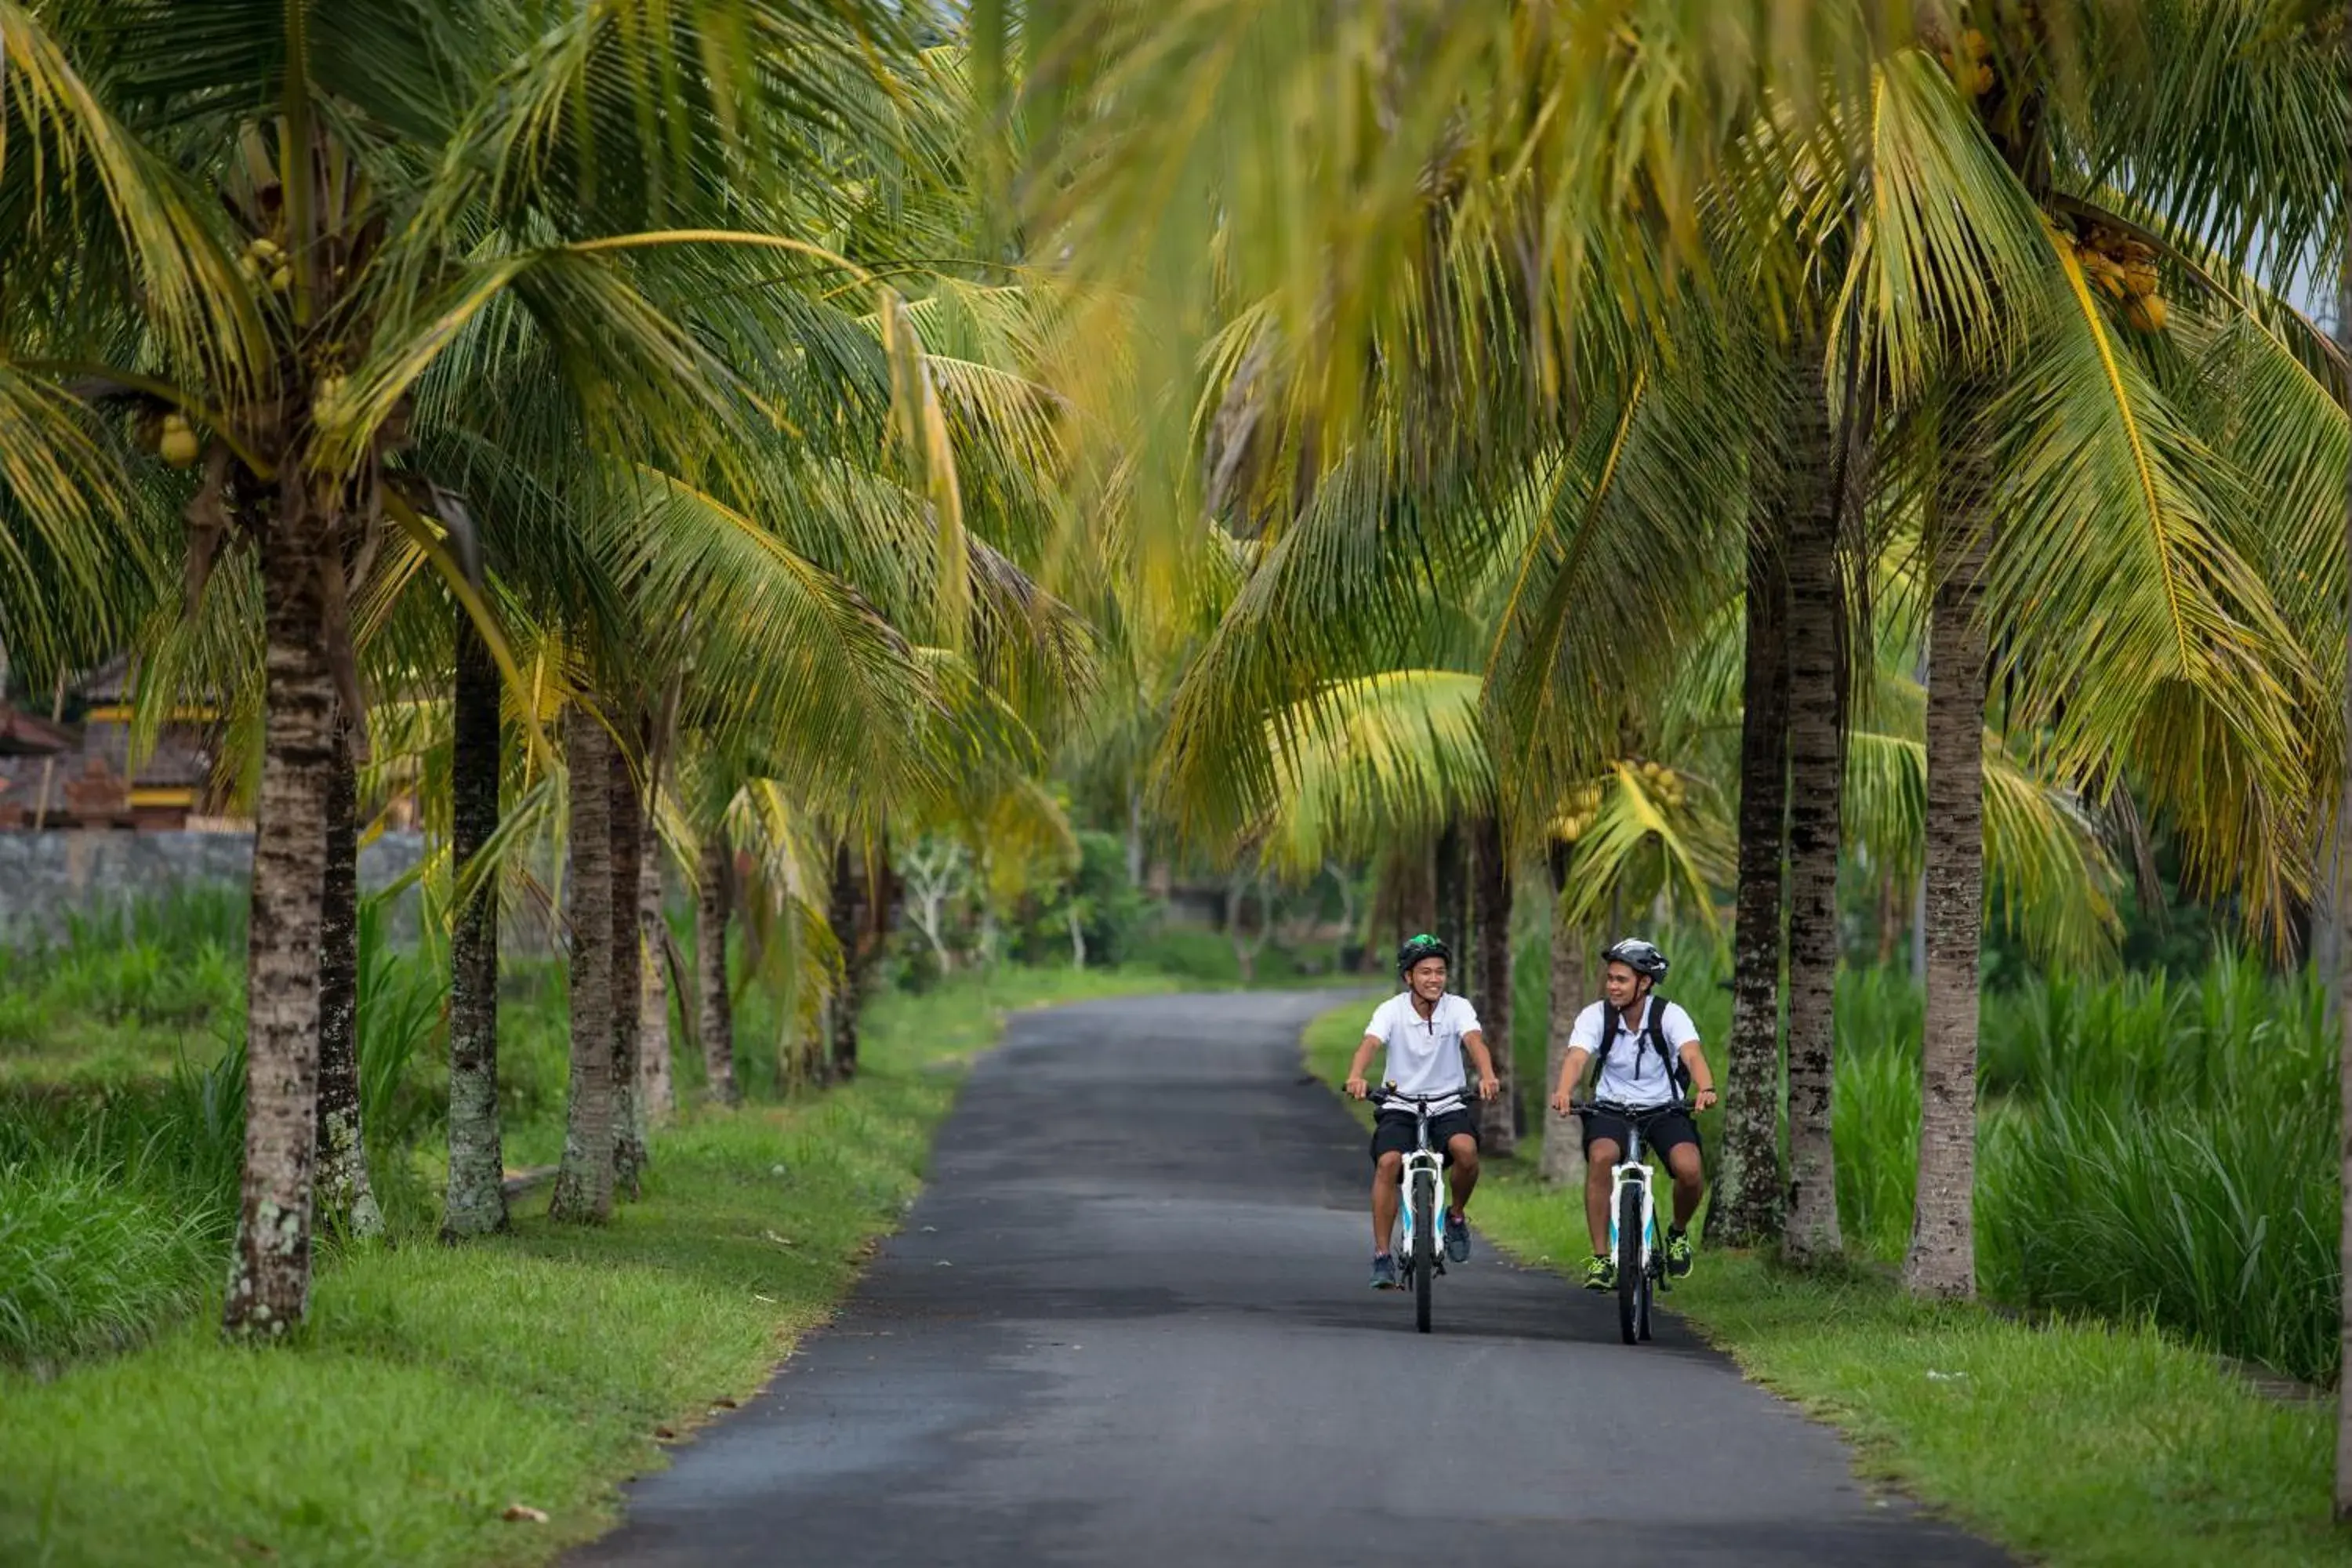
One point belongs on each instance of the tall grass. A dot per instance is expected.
(2148, 1148)
(118, 1196)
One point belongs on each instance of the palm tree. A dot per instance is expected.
(293, 302)
(584, 1182)
(1747, 1210)
(476, 1203)
(346, 1202)
(1816, 503)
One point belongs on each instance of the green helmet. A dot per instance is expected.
(1417, 948)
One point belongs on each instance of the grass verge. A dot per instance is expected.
(435, 1386)
(2082, 1443)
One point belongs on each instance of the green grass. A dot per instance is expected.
(436, 1385)
(122, 993)
(2085, 1442)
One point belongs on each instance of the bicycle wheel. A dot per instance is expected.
(1425, 1247)
(1631, 1283)
(1641, 1316)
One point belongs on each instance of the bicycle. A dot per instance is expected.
(1633, 1219)
(1420, 1244)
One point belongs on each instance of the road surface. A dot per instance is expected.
(1127, 1324)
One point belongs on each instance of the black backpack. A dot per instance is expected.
(1654, 1031)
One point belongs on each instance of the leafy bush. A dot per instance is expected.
(2148, 1147)
(89, 1262)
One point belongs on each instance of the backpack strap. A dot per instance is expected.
(1655, 1027)
(1654, 1031)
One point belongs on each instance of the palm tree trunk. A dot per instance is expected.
(1816, 779)
(1563, 1136)
(850, 918)
(714, 1010)
(627, 826)
(1452, 923)
(1746, 1211)
(269, 1281)
(1942, 1257)
(1498, 1119)
(477, 1203)
(344, 1202)
(584, 1182)
(657, 1095)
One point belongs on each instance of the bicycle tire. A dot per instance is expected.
(1630, 1281)
(1641, 1328)
(1425, 1248)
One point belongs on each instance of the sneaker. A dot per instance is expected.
(1385, 1274)
(1678, 1254)
(1600, 1273)
(1457, 1236)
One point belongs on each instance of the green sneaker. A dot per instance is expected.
(1600, 1273)
(1678, 1254)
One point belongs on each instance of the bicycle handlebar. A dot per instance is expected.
(1391, 1096)
(1631, 1112)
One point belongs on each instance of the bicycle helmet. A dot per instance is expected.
(1641, 957)
(1417, 948)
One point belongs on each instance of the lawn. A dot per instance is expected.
(2079, 1442)
(437, 1386)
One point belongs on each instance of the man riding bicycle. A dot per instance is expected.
(1424, 1031)
(1650, 1055)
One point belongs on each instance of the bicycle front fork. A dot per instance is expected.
(1413, 1168)
(1638, 1173)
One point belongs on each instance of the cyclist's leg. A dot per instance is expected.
(1600, 1157)
(1675, 1138)
(1689, 1172)
(1462, 1162)
(1388, 1175)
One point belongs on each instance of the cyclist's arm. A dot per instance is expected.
(1474, 1042)
(1364, 1050)
(1571, 1068)
(1702, 1077)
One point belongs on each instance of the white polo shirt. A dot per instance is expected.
(1425, 1055)
(1633, 1075)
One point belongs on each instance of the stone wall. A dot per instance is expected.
(44, 875)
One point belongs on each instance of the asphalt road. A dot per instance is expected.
(1127, 1324)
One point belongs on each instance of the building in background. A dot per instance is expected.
(59, 776)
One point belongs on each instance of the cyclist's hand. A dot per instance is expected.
(1563, 1102)
(1489, 1086)
(1704, 1099)
(1357, 1089)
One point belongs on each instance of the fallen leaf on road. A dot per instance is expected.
(524, 1513)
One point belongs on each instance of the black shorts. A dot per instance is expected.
(1393, 1132)
(1659, 1134)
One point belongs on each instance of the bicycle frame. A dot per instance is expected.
(1424, 1157)
(1632, 1166)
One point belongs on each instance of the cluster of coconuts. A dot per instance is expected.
(265, 260)
(1971, 63)
(177, 443)
(1577, 813)
(2125, 266)
(1661, 784)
